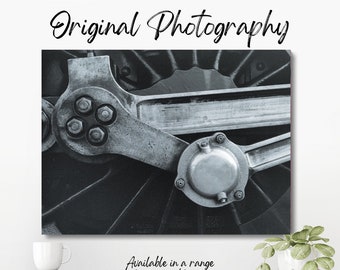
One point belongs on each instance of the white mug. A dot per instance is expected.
(49, 255)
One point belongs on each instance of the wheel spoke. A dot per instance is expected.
(167, 210)
(172, 60)
(261, 192)
(132, 202)
(69, 54)
(200, 220)
(218, 60)
(241, 65)
(265, 77)
(77, 195)
(284, 167)
(155, 75)
(235, 214)
(194, 58)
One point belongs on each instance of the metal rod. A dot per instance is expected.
(241, 64)
(235, 214)
(194, 58)
(218, 60)
(268, 153)
(192, 112)
(172, 59)
(260, 190)
(69, 54)
(200, 220)
(167, 210)
(284, 167)
(132, 202)
(155, 75)
(268, 76)
(77, 195)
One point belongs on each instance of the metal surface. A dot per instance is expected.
(268, 153)
(93, 121)
(48, 138)
(190, 112)
(125, 136)
(213, 171)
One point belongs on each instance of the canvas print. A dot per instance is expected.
(166, 142)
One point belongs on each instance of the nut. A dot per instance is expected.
(84, 105)
(238, 194)
(75, 126)
(97, 135)
(180, 183)
(106, 114)
(220, 138)
(204, 144)
(222, 197)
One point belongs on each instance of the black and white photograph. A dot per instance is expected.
(166, 141)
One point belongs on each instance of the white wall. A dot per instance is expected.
(314, 43)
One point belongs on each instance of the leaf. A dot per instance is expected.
(268, 252)
(282, 245)
(263, 266)
(307, 227)
(325, 263)
(301, 251)
(311, 265)
(288, 237)
(325, 249)
(317, 238)
(300, 236)
(273, 239)
(317, 230)
(260, 246)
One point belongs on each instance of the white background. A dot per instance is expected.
(314, 42)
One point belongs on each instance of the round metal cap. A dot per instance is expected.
(213, 172)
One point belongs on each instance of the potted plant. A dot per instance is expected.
(304, 249)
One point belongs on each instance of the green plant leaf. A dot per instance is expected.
(263, 266)
(273, 239)
(311, 265)
(288, 237)
(300, 236)
(325, 249)
(317, 238)
(301, 251)
(260, 246)
(268, 252)
(317, 230)
(282, 245)
(307, 227)
(325, 263)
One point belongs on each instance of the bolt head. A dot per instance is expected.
(222, 197)
(75, 126)
(204, 144)
(238, 194)
(106, 114)
(220, 138)
(84, 105)
(97, 135)
(180, 183)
